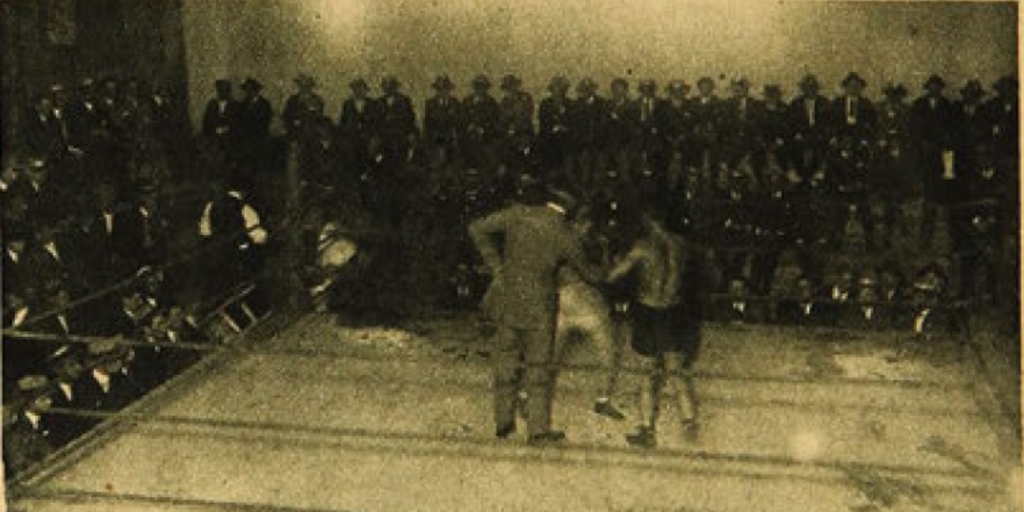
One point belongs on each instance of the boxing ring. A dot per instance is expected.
(307, 416)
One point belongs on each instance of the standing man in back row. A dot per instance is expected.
(524, 245)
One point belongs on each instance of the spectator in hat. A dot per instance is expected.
(302, 108)
(972, 136)
(219, 117)
(395, 123)
(773, 131)
(109, 386)
(483, 118)
(109, 103)
(320, 163)
(443, 128)
(808, 130)
(588, 115)
(1002, 112)
(43, 134)
(27, 436)
(932, 133)
(252, 129)
(802, 305)
(677, 124)
(652, 155)
(708, 115)
(17, 282)
(892, 177)
(863, 312)
(930, 312)
(849, 164)
(740, 118)
(67, 371)
(355, 129)
(554, 138)
(516, 127)
(83, 115)
(620, 125)
(141, 230)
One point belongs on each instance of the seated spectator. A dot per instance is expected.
(111, 385)
(863, 312)
(67, 373)
(802, 306)
(26, 435)
(930, 313)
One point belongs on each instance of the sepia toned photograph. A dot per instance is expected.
(510, 255)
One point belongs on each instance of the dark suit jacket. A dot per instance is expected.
(621, 124)
(676, 122)
(588, 123)
(808, 125)
(65, 428)
(43, 135)
(856, 120)
(443, 123)
(140, 238)
(83, 122)
(1004, 122)
(554, 117)
(218, 120)
(517, 115)
(299, 113)
(356, 124)
(252, 124)
(23, 447)
(931, 129)
(483, 119)
(739, 127)
(122, 392)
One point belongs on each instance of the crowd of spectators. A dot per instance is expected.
(121, 224)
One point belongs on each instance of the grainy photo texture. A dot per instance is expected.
(510, 255)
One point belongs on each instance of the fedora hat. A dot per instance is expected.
(934, 81)
(586, 85)
(894, 90)
(443, 82)
(559, 83)
(809, 81)
(972, 89)
(481, 82)
(510, 82)
(251, 84)
(359, 83)
(1005, 84)
(677, 87)
(305, 80)
(853, 78)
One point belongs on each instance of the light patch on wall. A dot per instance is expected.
(337, 19)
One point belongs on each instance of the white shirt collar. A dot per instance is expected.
(33, 419)
(556, 207)
(103, 379)
(68, 391)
